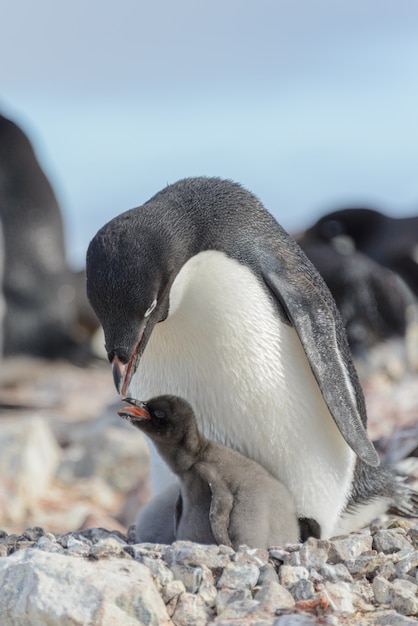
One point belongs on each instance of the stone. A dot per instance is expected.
(382, 590)
(289, 575)
(405, 596)
(405, 565)
(303, 589)
(340, 597)
(227, 596)
(45, 544)
(244, 554)
(350, 547)
(314, 553)
(172, 589)
(191, 611)
(389, 541)
(189, 553)
(390, 618)
(108, 548)
(190, 576)
(335, 573)
(29, 457)
(366, 564)
(239, 576)
(274, 597)
(207, 590)
(296, 619)
(39, 588)
(238, 610)
(387, 570)
(159, 570)
(267, 572)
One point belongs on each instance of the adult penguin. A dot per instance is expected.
(40, 318)
(389, 241)
(202, 294)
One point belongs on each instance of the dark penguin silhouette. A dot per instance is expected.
(371, 299)
(389, 241)
(224, 497)
(203, 295)
(38, 284)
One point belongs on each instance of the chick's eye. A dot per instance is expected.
(159, 413)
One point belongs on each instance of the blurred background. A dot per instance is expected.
(310, 105)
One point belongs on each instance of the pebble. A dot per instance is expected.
(239, 576)
(369, 577)
(274, 597)
(391, 540)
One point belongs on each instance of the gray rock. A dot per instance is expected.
(191, 611)
(274, 597)
(45, 544)
(189, 553)
(314, 553)
(159, 570)
(227, 596)
(404, 597)
(388, 571)
(108, 548)
(296, 619)
(303, 589)
(340, 597)
(190, 576)
(244, 554)
(382, 590)
(40, 588)
(390, 618)
(207, 590)
(172, 589)
(335, 573)
(405, 565)
(350, 547)
(267, 573)
(289, 575)
(238, 610)
(391, 540)
(366, 564)
(239, 576)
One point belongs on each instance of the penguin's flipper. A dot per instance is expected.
(220, 507)
(321, 332)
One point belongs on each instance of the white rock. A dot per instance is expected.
(39, 588)
(29, 457)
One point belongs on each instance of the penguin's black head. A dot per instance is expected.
(129, 272)
(358, 224)
(164, 417)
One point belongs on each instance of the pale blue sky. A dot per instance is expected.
(310, 104)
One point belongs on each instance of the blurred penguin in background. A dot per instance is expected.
(39, 288)
(360, 254)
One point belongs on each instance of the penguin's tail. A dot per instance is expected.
(405, 498)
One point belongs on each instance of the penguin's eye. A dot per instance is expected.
(159, 414)
(150, 308)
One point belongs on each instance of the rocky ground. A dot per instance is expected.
(73, 475)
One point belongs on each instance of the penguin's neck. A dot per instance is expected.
(182, 455)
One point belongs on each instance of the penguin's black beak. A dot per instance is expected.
(123, 373)
(135, 412)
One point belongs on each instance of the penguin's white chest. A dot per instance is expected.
(225, 349)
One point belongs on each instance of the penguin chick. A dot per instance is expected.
(225, 498)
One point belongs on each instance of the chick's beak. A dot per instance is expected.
(136, 410)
